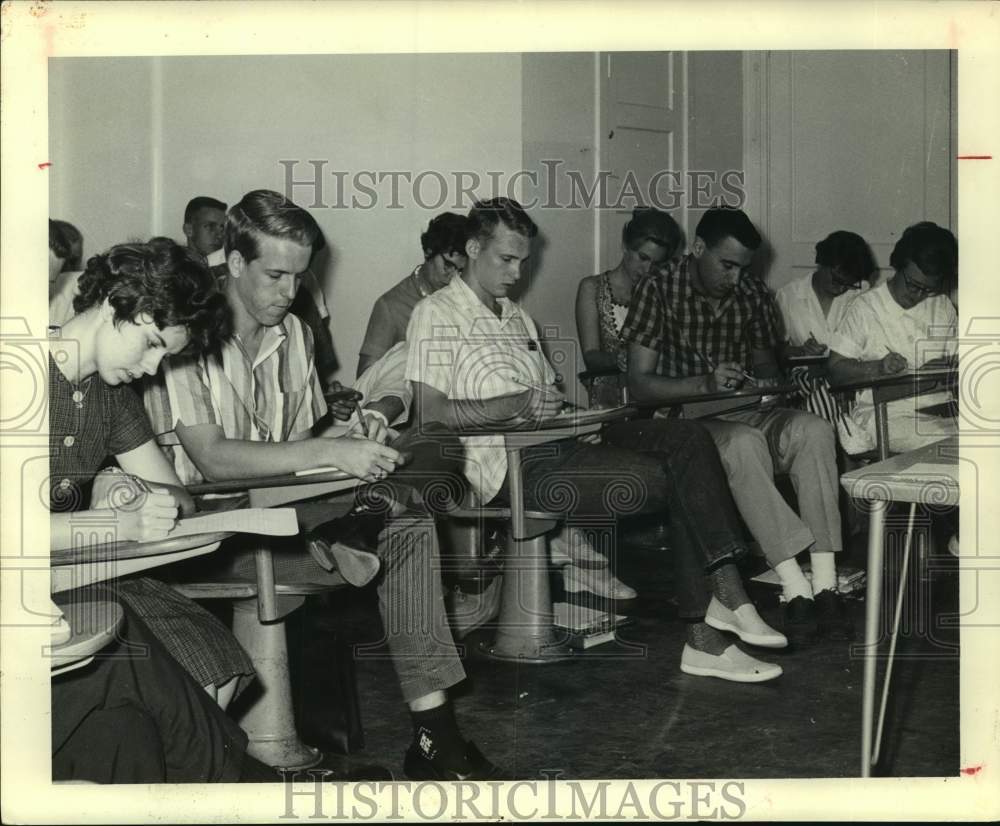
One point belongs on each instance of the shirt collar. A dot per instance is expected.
(462, 293)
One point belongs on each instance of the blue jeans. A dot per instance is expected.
(665, 466)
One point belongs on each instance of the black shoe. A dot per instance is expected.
(800, 621)
(832, 620)
(417, 766)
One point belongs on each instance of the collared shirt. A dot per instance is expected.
(268, 397)
(803, 315)
(668, 315)
(463, 350)
(87, 424)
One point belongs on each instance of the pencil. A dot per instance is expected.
(361, 418)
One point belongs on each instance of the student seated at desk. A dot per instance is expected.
(137, 304)
(136, 716)
(697, 331)
(472, 353)
(443, 243)
(651, 240)
(907, 320)
(248, 411)
(811, 308)
(65, 256)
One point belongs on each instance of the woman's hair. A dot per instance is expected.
(649, 224)
(848, 251)
(932, 248)
(160, 279)
(58, 242)
(264, 212)
(70, 240)
(444, 234)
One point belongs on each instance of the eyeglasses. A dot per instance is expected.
(451, 266)
(847, 285)
(919, 289)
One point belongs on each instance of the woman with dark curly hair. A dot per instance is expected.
(137, 304)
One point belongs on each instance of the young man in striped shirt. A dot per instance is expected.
(249, 411)
(698, 330)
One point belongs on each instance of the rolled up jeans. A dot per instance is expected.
(646, 467)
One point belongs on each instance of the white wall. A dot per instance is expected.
(228, 121)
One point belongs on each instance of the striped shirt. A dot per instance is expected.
(266, 398)
(668, 315)
(460, 348)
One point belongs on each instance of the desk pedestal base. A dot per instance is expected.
(270, 722)
(525, 631)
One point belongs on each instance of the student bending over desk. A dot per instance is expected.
(908, 320)
(697, 331)
(137, 718)
(472, 350)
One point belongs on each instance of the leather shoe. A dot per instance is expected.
(832, 620)
(357, 566)
(745, 623)
(601, 583)
(731, 664)
(417, 766)
(800, 621)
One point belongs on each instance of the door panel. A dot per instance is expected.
(643, 132)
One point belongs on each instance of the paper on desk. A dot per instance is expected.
(265, 521)
(930, 472)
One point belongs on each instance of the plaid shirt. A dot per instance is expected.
(669, 316)
(460, 348)
(266, 398)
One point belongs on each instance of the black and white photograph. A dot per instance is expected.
(555, 411)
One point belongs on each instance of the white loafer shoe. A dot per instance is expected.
(745, 623)
(599, 582)
(731, 664)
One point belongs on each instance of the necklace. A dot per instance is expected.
(415, 275)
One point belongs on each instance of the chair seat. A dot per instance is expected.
(501, 513)
(237, 589)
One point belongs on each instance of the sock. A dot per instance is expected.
(793, 581)
(436, 734)
(702, 637)
(824, 568)
(728, 587)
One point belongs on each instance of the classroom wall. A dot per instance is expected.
(225, 123)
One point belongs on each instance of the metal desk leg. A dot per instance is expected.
(525, 631)
(882, 430)
(873, 605)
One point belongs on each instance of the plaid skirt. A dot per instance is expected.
(203, 645)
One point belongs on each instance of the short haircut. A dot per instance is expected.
(162, 280)
(848, 251)
(202, 202)
(720, 223)
(932, 248)
(265, 212)
(444, 234)
(58, 242)
(649, 224)
(485, 216)
(74, 241)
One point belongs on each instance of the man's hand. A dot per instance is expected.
(727, 375)
(539, 404)
(360, 457)
(378, 430)
(340, 400)
(892, 363)
(809, 347)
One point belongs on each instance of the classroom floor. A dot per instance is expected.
(626, 711)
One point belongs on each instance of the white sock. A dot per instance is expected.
(793, 581)
(824, 568)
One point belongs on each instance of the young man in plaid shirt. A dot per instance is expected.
(698, 330)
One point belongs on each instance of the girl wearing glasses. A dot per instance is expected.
(904, 323)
